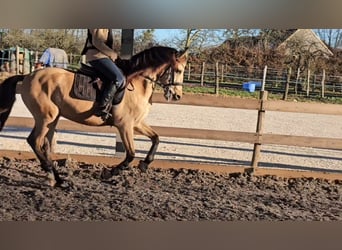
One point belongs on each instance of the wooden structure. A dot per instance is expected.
(16, 60)
(305, 40)
(257, 138)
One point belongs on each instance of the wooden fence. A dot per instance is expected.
(296, 81)
(22, 61)
(257, 138)
(221, 75)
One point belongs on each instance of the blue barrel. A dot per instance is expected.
(248, 86)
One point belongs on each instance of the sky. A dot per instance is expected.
(162, 34)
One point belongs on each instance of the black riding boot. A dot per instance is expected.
(106, 99)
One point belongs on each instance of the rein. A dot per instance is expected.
(161, 83)
(165, 85)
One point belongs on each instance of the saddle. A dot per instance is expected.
(88, 85)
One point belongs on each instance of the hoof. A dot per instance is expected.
(52, 180)
(65, 185)
(106, 174)
(143, 166)
(59, 183)
(52, 183)
(116, 171)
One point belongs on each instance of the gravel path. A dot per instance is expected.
(209, 151)
(162, 195)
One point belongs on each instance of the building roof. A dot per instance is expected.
(306, 40)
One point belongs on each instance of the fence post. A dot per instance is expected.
(202, 73)
(308, 84)
(189, 71)
(71, 58)
(259, 130)
(260, 123)
(36, 57)
(17, 59)
(297, 79)
(287, 85)
(216, 78)
(322, 83)
(24, 64)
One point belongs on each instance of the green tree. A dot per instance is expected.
(15, 37)
(70, 40)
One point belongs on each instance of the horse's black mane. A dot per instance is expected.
(152, 57)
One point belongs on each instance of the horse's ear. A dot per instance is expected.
(183, 53)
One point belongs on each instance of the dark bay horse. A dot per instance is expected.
(47, 95)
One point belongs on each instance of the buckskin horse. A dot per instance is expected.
(48, 95)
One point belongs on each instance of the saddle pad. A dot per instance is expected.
(85, 87)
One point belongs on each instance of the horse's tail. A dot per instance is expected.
(7, 97)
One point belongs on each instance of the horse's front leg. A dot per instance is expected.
(127, 137)
(146, 130)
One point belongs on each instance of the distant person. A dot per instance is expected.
(4, 61)
(53, 57)
(5, 67)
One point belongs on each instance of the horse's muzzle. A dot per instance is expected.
(176, 97)
(171, 95)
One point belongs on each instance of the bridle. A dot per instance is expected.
(166, 84)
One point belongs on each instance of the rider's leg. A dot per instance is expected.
(113, 80)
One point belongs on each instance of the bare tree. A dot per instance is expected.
(332, 37)
(271, 38)
(198, 39)
(143, 40)
(237, 33)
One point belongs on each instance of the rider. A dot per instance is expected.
(100, 54)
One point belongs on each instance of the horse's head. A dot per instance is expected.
(172, 78)
(159, 65)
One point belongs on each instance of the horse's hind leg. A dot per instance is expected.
(3, 117)
(51, 135)
(146, 130)
(40, 140)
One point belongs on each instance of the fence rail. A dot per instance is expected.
(18, 60)
(295, 81)
(258, 138)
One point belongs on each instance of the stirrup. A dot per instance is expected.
(104, 113)
(106, 116)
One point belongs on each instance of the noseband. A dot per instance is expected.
(165, 75)
(168, 74)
